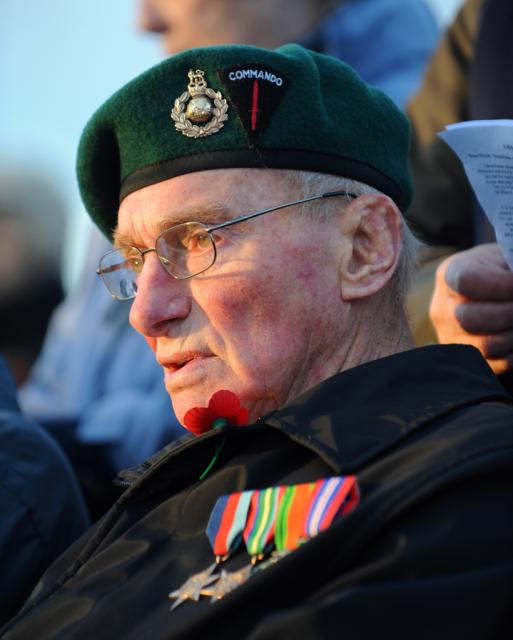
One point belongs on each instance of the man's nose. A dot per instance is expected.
(160, 299)
(149, 18)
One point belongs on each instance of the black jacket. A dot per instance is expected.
(41, 508)
(428, 553)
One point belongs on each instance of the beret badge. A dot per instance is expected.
(200, 111)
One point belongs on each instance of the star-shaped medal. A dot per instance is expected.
(228, 581)
(275, 557)
(193, 586)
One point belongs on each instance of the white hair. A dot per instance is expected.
(310, 183)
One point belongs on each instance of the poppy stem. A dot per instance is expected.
(214, 460)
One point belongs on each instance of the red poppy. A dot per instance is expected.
(223, 408)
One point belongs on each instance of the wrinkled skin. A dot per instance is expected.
(473, 304)
(285, 304)
(262, 321)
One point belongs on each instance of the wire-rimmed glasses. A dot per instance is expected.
(184, 251)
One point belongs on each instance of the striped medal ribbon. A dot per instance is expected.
(284, 517)
(290, 519)
(332, 497)
(306, 509)
(224, 532)
(258, 535)
(227, 522)
(259, 530)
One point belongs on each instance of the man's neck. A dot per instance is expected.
(380, 330)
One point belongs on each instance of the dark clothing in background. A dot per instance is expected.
(25, 313)
(428, 553)
(468, 78)
(41, 509)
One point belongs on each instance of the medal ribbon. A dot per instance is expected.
(259, 529)
(288, 514)
(290, 521)
(331, 497)
(226, 523)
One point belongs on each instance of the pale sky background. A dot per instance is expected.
(59, 60)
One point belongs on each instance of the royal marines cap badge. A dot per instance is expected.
(200, 111)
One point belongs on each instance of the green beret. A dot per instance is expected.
(240, 106)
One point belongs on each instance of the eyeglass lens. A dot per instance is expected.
(184, 251)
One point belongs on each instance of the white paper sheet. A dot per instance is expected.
(485, 147)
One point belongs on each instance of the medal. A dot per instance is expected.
(228, 581)
(307, 509)
(191, 589)
(224, 532)
(227, 522)
(259, 530)
(331, 497)
(258, 534)
(286, 517)
(290, 521)
(277, 519)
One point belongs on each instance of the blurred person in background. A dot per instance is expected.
(42, 510)
(468, 78)
(387, 41)
(32, 218)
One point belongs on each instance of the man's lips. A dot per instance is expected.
(177, 361)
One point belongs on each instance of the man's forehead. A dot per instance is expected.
(204, 196)
(159, 219)
(205, 185)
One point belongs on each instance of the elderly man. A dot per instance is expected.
(340, 484)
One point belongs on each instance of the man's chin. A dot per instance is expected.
(186, 399)
(183, 400)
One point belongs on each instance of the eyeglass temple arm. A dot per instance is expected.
(248, 216)
(114, 267)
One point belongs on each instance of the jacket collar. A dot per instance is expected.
(355, 415)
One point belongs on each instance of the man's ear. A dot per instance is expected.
(373, 226)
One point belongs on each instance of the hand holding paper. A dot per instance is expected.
(473, 298)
